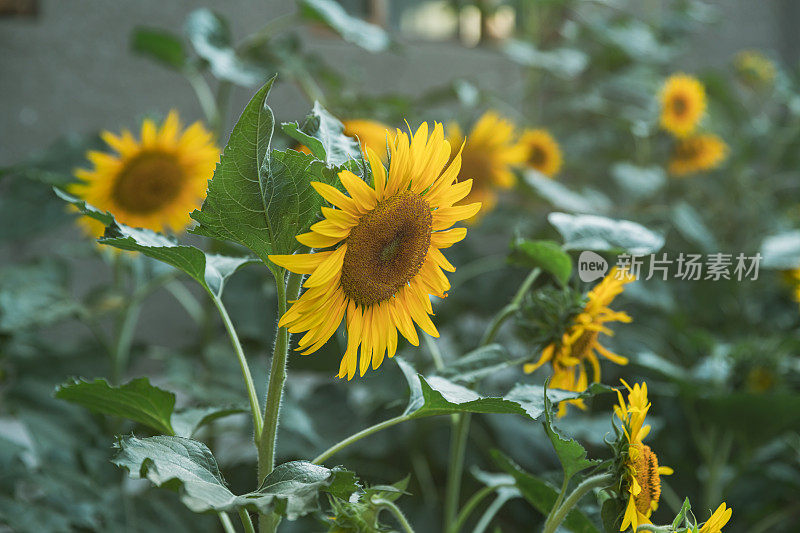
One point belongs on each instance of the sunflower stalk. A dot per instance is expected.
(559, 513)
(386, 505)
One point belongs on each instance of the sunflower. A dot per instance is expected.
(576, 348)
(640, 471)
(754, 67)
(683, 103)
(490, 151)
(697, 154)
(154, 182)
(381, 257)
(544, 154)
(717, 520)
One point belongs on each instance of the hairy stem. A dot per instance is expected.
(324, 456)
(227, 525)
(458, 447)
(558, 514)
(247, 523)
(471, 504)
(509, 310)
(395, 510)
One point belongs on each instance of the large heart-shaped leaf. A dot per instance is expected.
(590, 232)
(187, 466)
(259, 199)
(569, 451)
(211, 271)
(561, 197)
(159, 45)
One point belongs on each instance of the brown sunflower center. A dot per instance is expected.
(646, 465)
(538, 157)
(680, 105)
(387, 248)
(688, 150)
(148, 182)
(582, 346)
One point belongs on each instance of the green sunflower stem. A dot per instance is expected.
(458, 448)
(655, 529)
(396, 512)
(558, 514)
(472, 503)
(286, 287)
(512, 307)
(247, 522)
(324, 456)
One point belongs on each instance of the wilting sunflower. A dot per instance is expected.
(153, 182)
(755, 68)
(544, 154)
(576, 349)
(490, 151)
(379, 254)
(697, 154)
(683, 103)
(640, 472)
(717, 520)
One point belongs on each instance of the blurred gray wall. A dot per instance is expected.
(69, 69)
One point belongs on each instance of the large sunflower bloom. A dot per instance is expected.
(544, 154)
(382, 255)
(717, 520)
(580, 344)
(683, 103)
(697, 154)
(153, 182)
(490, 151)
(641, 471)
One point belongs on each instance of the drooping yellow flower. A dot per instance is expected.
(580, 344)
(544, 153)
(490, 151)
(641, 470)
(754, 67)
(697, 154)
(153, 182)
(683, 103)
(717, 520)
(379, 254)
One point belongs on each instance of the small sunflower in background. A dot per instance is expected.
(638, 471)
(683, 104)
(698, 153)
(370, 134)
(544, 153)
(153, 182)
(379, 254)
(755, 68)
(490, 152)
(580, 343)
(717, 520)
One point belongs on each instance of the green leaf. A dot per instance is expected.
(590, 232)
(477, 364)
(187, 466)
(681, 516)
(137, 400)
(564, 62)
(691, 226)
(186, 422)
(257, 199)
(436, 395)
(563, 198)
(570, 452)
(541, 495)
(781, 251)
(159, 45)
(209, 270)
(211, 37)
(546, 255)
(368, 36)
(34, 295)
(639, 182)
(323, 134)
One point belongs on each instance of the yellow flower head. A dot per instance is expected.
(580, 344)
(154, 182)
(683, 103)
(697, 154)
(641, 471)
(381, 259)
(717, 520)
(754, 67)
(490, 151)
(544, 153)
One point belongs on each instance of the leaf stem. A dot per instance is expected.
(395, 510)
(509, 310)
(227, 525)
(455, 470)
(558, 514)
(247, 522)
(324, 456)
(656, 529)
(255, 408)
(472, 503)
